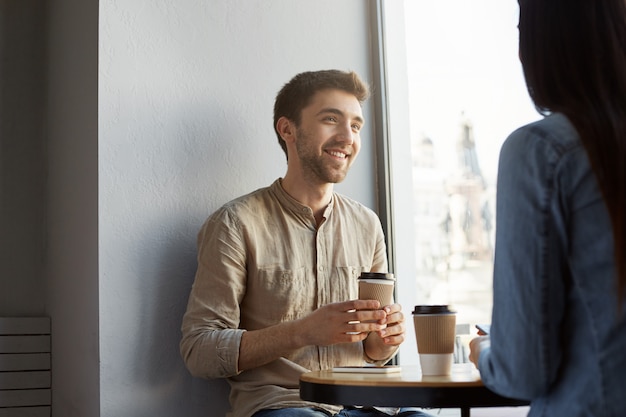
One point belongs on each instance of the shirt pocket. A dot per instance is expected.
(344, 285)
(278, 295)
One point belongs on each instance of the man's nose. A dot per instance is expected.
(347, 135)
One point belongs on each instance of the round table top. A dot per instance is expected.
(462, 375)
(463, 388)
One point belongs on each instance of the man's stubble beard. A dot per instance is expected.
(315, 167)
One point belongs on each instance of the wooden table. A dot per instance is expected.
(462, 389)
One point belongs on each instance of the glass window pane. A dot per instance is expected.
(467, 93)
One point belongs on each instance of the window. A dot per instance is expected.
(465, 91)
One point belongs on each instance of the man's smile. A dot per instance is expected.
(338, 154)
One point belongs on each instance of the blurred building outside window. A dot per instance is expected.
(467, 94)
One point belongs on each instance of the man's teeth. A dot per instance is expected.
(337, 154)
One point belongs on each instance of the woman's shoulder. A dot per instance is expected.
(553, 131)
(544, 150)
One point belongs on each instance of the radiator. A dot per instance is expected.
(25, 389)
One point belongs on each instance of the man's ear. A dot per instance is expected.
(286, 129)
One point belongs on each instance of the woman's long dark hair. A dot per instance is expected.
(573, 53)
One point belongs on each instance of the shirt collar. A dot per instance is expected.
(291, 203)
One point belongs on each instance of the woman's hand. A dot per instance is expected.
(476, 346)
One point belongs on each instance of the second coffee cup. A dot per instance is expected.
(435, 331)
(377, 286)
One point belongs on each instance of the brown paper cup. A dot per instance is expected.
(380, 290)
(435, 331)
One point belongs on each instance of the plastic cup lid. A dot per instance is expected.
(377, 275)
(433, 309)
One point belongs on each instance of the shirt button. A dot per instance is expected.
(320, 268)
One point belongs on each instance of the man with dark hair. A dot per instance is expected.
(275, 293)
(297, 93)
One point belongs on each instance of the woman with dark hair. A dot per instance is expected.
(558, 333)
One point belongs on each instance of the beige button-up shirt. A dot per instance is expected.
(262, 261)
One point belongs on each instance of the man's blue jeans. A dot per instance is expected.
(310, 412)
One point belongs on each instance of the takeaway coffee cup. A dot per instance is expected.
(377, 286)
(435, 331)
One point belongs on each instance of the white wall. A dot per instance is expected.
(185, 101)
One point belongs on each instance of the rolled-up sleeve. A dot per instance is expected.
(210, 329)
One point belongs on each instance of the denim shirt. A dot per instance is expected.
(557, 338)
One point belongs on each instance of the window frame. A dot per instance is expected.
(390, 85)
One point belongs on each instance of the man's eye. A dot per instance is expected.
(356, 128)
(331, 118)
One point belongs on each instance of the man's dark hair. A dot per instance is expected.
(298, 92)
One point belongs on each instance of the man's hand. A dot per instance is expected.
(344, 322)
(382, 344)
